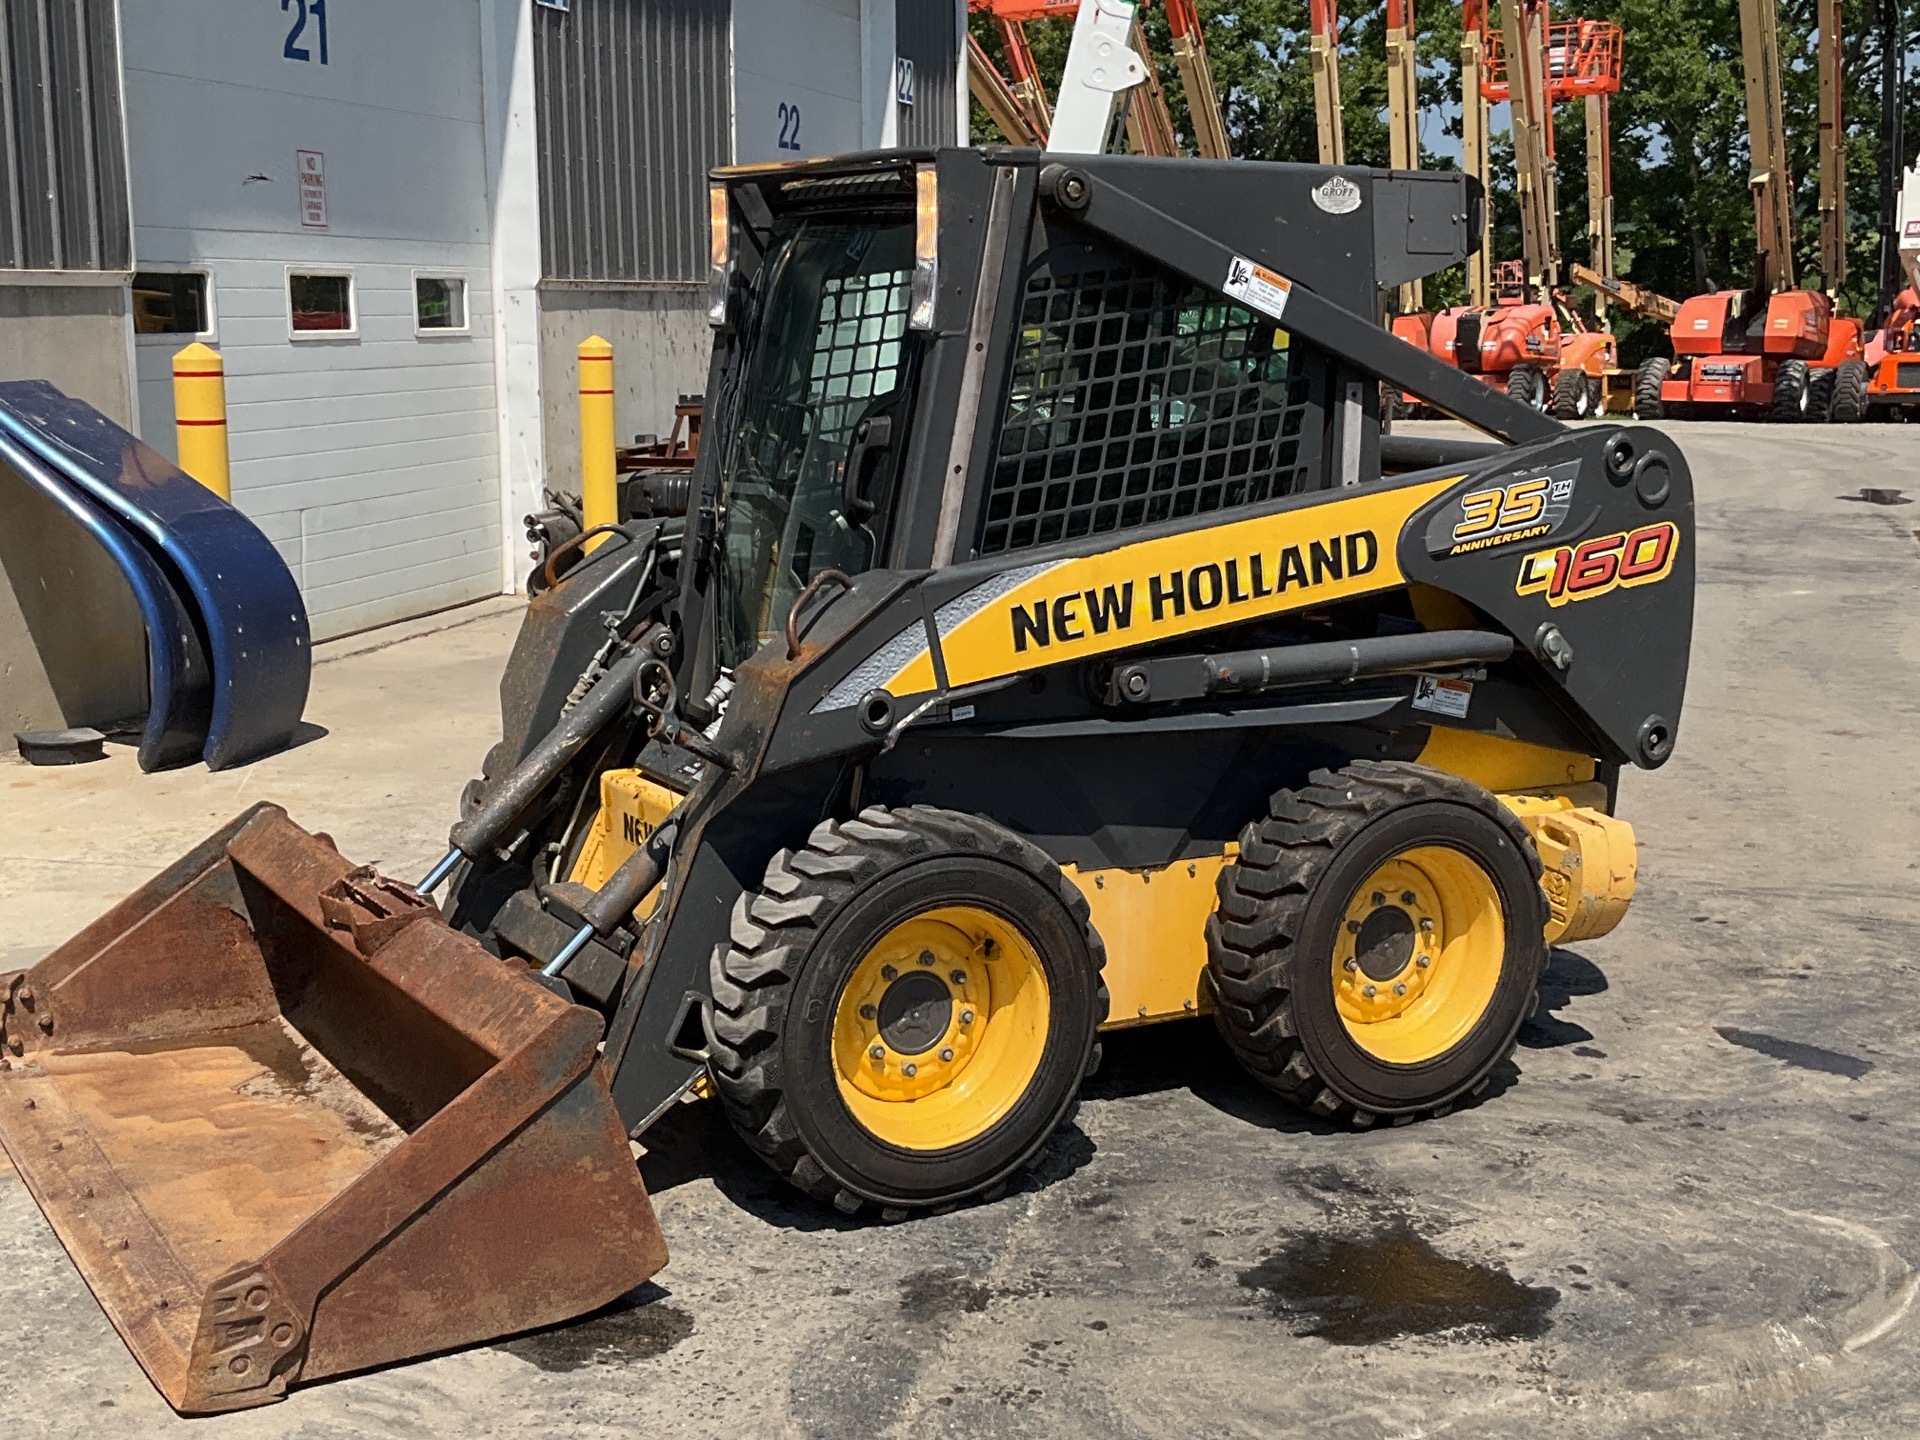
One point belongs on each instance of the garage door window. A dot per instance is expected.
(439, 304)
(320, 304)
(170, 303)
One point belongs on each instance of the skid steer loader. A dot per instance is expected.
(1053, 643)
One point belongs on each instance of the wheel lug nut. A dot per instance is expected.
(1369, 992)
(946, 1052)
(1352, 964)
(909, 1070)
(1406, 897)
(1426, 923)
(958, 977)
(887, 972)
(926, 957)
(1400, 988)
(1378, 898)
(1423, 961)
(878, 1052)
(1353, 927)
(867, 1012)
(966, 1017)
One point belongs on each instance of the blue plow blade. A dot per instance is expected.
(229, 653)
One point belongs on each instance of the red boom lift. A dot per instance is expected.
(1776, 349)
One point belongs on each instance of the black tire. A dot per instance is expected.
(1270, 944)
(1792, 392)
(1596, 396)
(1527, 385)
(1572, 395)
(797, 941)
(1849, 402)
(1647, 380)
(1820, 396)
(1392, 406)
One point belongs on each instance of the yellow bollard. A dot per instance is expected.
(200, 417)
(599, 495)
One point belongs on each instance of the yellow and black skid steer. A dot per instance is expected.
(1053, 642)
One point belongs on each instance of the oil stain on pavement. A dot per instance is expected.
(1361, 1291)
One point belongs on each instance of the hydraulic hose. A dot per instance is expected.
(609, 698)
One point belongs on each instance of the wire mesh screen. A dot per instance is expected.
(1137, 398)
(856, 356)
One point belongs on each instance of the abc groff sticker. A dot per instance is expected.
(1502, 514)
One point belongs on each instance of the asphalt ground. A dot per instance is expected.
(1684, 1209)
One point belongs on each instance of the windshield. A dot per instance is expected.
(824, 343)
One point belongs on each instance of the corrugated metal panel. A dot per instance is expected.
(927, 32)
(63, 165)
(634, 110)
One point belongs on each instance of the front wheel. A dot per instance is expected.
(1849, 404)
(906, 1008)
(1378, 941)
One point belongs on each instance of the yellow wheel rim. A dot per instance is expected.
(939, 1030)
(1419, 954)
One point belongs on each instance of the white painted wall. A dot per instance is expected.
(371, 462)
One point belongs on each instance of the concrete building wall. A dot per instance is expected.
(72, 646)
(73, 334)
(371, 459)
(661, 345)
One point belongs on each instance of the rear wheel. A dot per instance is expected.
(1647, 380)
(1596, 395)
(906, 1009)
(1527, 385)
(1572, 395)
(1792, 391)
(1378, 942)
(1820, 396)
(1849, 405)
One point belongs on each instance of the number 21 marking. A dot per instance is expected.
(317, 11)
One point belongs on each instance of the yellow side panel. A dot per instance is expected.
(631, 807)
(1498, 764)
(1172, 585)
(1154, 923)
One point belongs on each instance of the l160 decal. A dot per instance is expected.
(1603, 563)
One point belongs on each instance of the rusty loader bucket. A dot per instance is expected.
(289, 1125)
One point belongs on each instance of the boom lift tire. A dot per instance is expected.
(1527, 385)
(952, 947)
(1572, 395)
(1792, 391)
(1849, 405)
(1647, 381)
(1820, 396)
(1386, 877)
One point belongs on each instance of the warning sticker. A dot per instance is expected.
(1256, 286)
(1443, 697)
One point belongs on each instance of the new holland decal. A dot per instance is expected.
(1505, 514)
(1605, 562)
(1171, 585)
